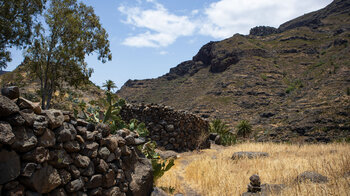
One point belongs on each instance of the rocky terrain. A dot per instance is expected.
(170, 129)
(62, 98)
(50, 152)
(292, 83)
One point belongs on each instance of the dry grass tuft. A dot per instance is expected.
(212, 172)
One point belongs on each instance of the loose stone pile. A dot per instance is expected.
(173, 130)
(254, 185)
(51, 152)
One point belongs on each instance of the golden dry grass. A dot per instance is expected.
(212, 172)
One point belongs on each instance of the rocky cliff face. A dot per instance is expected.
(291, 85)
(50, 152)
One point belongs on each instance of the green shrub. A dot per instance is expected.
(296, 84)
(159, 166)
(221, 128)
(244, 128)
(263, 76)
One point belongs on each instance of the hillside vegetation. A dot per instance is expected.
(63, 98)
(291, 83)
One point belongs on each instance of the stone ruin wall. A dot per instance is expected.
(172, 130)
(50, 152)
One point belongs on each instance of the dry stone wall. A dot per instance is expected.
(50, 152)
(172, 130)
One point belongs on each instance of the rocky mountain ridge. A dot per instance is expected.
(291, 83)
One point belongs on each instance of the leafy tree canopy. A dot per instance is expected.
(16, 21)
(58, 53)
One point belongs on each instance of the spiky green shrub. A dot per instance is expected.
(244, 128)
(221, 128)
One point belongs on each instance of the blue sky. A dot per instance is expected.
(148, 37)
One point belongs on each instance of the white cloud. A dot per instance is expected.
(227, 17)
(158, 27)
(161, 27)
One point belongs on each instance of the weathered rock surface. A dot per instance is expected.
(158, 192)
(173, 130)
(55, 117)
(312, 177)
(7, 107)
(52, 153)
(26, 104)
(9, 166)
(45, 179)
(6, 134)
(12, 92)
(249, 155)
(142, 178)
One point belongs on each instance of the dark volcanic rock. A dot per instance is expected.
(25, 139)
(7, 107)
(263, 31)
(11, 92)
(142, 178)
(9, 166)
(6, 134)
(46, 179)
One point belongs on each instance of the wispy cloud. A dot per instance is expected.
(158, 27)
(227, 17)
(161, 27)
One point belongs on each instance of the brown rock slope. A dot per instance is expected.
(293, 82)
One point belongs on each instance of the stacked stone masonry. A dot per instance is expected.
(172, 130)
(52, 153)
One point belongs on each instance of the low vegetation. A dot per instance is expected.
(108, 112)
(212, 172)
(222, 129)
(244, 128)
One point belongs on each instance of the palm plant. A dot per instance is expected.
(109, 85)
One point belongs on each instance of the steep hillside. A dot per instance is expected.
(292, 83)
(62, 99)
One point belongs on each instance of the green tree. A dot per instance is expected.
(109, 85)
(58, 53)
(16, 22)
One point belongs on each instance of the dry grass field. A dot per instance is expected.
(211, 172)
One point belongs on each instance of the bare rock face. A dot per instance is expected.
(12, 92)
(312, 177)
(48, 139)
(26, 104)
(46, 179)
(10, 166)
(6, 134)
(25, 139)
(142, 178)
(75, 185)
(55, 117)
(263, 31)
(7, 107)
